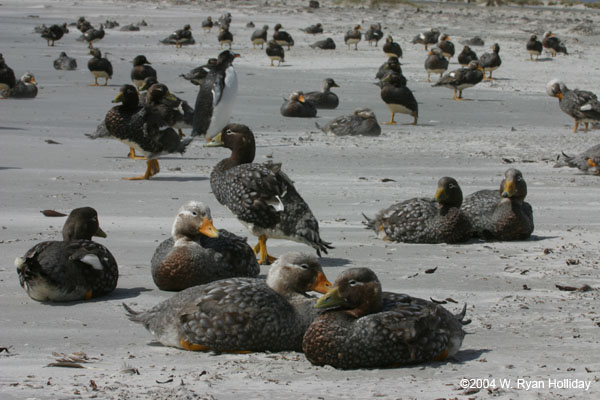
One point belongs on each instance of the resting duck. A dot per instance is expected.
(462, 79)
(141, 70)
(99, 67)
(363, 327)
(7, 78)
(207, 24)
(65, 62)
(259, 37)
(282, 38)
(491, 61)
(554, 44)
(297, 106)
(275, 53)
(398, 97)
(313, 29)
(225, 37)
(361, 122)
(374, 34)
(197, 253)
(501, 214)
(353, 36)
(466, 56)
(139, 126)
(426, 38)
(94, 35)
(26, 87)
(261, 196)
(391, 48)
(197, 75)
(446, 46)
(582, 161)
(324, 99)
(534, 47)
(425, 220)
(54, 33)
(75, 268)
(435, 63)
(325, 44)
(180, 38)
(581, 105)
(241, 315)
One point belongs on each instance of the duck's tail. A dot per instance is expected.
(133, 315)
(101, 132)
(564, 160)
(461, 316)
(369, 223)
(184, 144)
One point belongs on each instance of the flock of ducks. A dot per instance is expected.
(221, 305)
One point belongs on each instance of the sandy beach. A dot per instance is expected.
(528, 339)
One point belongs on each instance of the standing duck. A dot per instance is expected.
(259, 37)
(197, 75)
(425, 220)
(216, 97)
(466, 56)
(391, 48)
(582, 161)
(435, 63)
(275, 53)
(462, 78)
(54, 33)
(363, 327)
(7, 78)
(75, 268)
(446, 46)
(65, 62)
(398, 97)
(207, 24)
(361, 122)
(325, 44)
(241, 315)
(490, 61)
(534, 47)
(581, 105)
(197, 253)
(25, 88)
(426, 38)
(141, 70)
(225, 37)
(313, 29)
(99, 67)
(297, 106)
(94, 35)
(139, 126)
(352, 37)
(324, 99)
(282, 38)
(553, 44)
(374, 34)
(261, 196)
(501, 214)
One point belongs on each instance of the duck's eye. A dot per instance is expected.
(519, 178)
(304, 266)
(229, 132)
(194, 213)
(451, 186)
(352, 283)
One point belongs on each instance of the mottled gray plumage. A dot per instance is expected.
(580, 161)
(324, 99)
(325, 44)
(425, 220)
(191, 257)
(581, 105)
(501, 214)
(261, 196)
(313, 29)
(435, 63)
(259, 36)
(366, 328)
(361, 122)
(426, 38)
(73, 269)
(241, 314)
(65, 62)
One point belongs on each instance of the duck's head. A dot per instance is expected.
(389, 39)
(128, 96)
(158, 92)
(364, 113)
(357, 291)
(239, 139)
(444, 37)
(466, 49)
(62, 54)
(148, 82)
(96, 53)
(297, 97)
(65, 28)
(496, 48)
(357, 27)
(474, 64)
(556, 88)
(513, 186)
(28, 78)
(193, 218)
(297, 273)
(82, 223)
(329, 83)
(278, 27)
(187, 27)
(140, 60)
(533, 37)
(448, 192)
(265, 27)
(548, 34)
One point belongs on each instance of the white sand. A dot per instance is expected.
(533, 335)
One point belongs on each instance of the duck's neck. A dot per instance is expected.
(238, 156)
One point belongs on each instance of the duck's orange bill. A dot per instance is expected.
(208, 229)
(321, 284)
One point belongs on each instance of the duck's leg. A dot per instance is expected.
(272, 65)
(415, 118)
(147, 174)
(428, 76)
(576, 126)
(454, 97)
(392, 122)
(95, 81)
(586, 126)
(181, 134)
(134, 156)
(460, 94)
(265, 258)
(105, 82)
